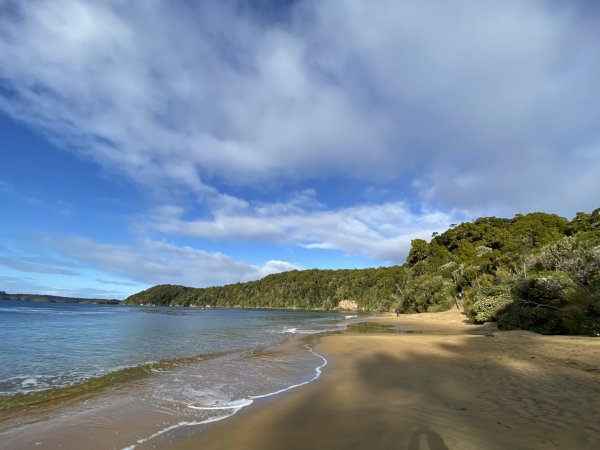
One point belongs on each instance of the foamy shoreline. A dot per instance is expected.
(118, 417)
(440, 384)
(234, 409)
(451, 385)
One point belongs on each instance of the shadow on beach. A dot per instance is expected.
(419, 392)
(440, 384)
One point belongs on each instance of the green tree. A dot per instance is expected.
(419, 250)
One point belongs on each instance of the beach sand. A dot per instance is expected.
(445, 384)
(415, 382)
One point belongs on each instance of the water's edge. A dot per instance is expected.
(307, 342)
(22, 403)
(25, 413)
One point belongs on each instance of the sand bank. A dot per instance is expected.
(445, 385)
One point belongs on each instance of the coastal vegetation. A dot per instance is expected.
(536, 271)
(56, 299)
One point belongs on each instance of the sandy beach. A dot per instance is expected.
(415, 382)
(445, 384)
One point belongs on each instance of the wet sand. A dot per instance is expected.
(445, 385)
(122, 415)
(426, 381)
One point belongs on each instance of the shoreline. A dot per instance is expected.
(420, 381)
(20, 404)
(124, 416)
(183, 389)
(441, 384)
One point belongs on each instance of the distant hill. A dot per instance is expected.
(368, 289)
(56, 299)
(535, 271)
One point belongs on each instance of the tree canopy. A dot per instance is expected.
(535, 271)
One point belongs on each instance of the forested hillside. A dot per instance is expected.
(55, 299)
(535, 271)
(373, 290)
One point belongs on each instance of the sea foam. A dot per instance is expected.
(232, 406)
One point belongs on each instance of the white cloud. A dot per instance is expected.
(23, 285)
(25, 265)
(159, 262)
(274, 266)
(117, 283)
(543, 182)
(470, 96)
(36, 261)
(381, 232)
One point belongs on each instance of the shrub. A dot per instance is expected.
(571, 255)
(428, 293)
(539, 320)
(581, 315)
(544, 290)
(552, 303)
(483, 304)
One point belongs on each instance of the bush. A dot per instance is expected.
(572, 255)
(539, 320)
(581, 315)
(552, 303)
(544, 289)
(444, 305)
(428, 293)
(483, 304)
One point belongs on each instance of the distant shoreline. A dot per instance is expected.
(56, 299)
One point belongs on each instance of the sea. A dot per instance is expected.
(200, 365)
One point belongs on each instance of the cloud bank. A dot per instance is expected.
(474, 101)
(381, 231)
(160, 262)
(472, 106)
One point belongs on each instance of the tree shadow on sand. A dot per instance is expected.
(511, 390)
(518, 390)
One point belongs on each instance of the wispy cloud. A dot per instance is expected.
(444, 110)
(24, 285)
(116, 283)
(159, 262)
(475, 102)
(382, 232)
(24, 265)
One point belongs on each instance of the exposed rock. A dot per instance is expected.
(347, 305)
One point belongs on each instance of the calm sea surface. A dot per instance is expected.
(177, 367)
(49, 345)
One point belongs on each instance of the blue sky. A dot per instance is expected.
(158, 142)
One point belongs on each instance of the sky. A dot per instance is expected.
(205, 143)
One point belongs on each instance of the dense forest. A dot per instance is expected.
(535, 271)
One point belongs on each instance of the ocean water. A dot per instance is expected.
(203, 365)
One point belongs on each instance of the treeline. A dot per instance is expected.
(535, 271)
(56, 299)
(372, 289)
